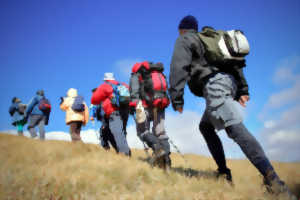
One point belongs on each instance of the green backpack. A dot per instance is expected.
(224, 47)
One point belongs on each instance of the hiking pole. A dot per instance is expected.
(177, 150)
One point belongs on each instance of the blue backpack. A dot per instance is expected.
(78, 105)
(121, 95)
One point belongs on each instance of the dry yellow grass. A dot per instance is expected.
(32, 169)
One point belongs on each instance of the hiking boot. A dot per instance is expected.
(225, 173)
(157, 157)
(275, 186)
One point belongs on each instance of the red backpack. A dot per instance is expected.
(153, 84)
(44, 105)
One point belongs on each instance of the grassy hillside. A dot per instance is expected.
(32, 169)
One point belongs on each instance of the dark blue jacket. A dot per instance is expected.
(33, 106)
(16, 116)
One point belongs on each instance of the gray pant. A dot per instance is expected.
(221, 109)
(158, 135)
(221, 113)
(115, 124)
(37, 120)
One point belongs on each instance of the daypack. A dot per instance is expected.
(224, 47)
(154, 85)
(121, 95)
(44, 105)
(78, 104)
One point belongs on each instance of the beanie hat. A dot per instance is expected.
(188, 22)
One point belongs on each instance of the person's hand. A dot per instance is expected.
(243, 99)
(180, 109)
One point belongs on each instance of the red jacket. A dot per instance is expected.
(103, 94)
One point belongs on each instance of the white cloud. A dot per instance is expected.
(285, 96)
(285, 71)
(124, 66)
(281, 132)
(269, 124)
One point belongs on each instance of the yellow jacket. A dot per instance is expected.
(72, 115)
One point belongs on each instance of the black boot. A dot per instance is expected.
(158, 156)
(275, 186)
(226, 173)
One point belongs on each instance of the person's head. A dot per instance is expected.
(187, 23)
(72, 92)
(108, 76)
(40, 92)
(15, 100)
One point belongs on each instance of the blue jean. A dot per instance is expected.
(37, 120)
(115, 124)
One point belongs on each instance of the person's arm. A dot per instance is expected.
(12, 110)
(182, 58)
(242, 86)
(100, 94)
(31, 105)
(86, 114)
(64, 105)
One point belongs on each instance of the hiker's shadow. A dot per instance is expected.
(188, 172)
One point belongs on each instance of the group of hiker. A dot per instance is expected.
(37, 112)
(210, 62)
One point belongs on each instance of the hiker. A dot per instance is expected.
(38, 113)
(148, 86)
(113, 99)
(16, 111)
(77, 113)
(105, 136)
(220, 82)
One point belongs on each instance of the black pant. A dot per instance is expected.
(106, 137)
(243, 138)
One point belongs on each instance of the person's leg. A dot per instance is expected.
(20, 125)
(112, 141)
(41, 125)
(103, 137)
(33, 121)
(75, 134)
(215, 147)
(143, 132)
(159, 131)
(78, 130)
(254, 152)
(116, 128)
(124, 112)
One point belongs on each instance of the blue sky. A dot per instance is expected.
(55, 45)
